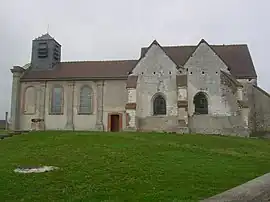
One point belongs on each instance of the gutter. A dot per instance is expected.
(74, 79)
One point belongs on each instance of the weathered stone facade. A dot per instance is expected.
(155, 94)
(157, 75)
(258, 102)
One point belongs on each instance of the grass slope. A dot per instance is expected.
(128, 166)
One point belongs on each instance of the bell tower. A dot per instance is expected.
(46, 52)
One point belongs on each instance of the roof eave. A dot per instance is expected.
(73, 79)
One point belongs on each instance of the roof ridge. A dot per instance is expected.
(175, 46)
(188, 45)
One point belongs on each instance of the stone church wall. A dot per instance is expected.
(157, 123)
(107, 98)
(32, 100)
(205, 75)
(156, 74)
(55, 122)
(115, 99)
(80, 121)
(204, 69)
(224, 125)
(260, 113)
(229, 99)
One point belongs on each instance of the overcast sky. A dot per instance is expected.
(100, 30)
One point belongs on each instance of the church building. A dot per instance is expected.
(203, 88)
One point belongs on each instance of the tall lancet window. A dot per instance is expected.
(57, 100)
(159, 105)
(30, 97)
(86, 99)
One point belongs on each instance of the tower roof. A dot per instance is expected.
(44, 37)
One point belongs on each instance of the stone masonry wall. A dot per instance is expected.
(205, 75)
(156, 74)
(107, 97)
(204, 69)
(224, 125)
(258, 101)
(229, 96)
(260, 113)
(156, 123)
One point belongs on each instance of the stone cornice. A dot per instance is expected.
(17, 69)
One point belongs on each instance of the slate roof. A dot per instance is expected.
(84, 70)
(236, 57)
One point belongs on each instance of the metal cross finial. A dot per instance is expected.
(48, 29)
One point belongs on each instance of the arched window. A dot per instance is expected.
(201, 103)
(30, 100)
(57, 100)
(159, 105)
(85, 106)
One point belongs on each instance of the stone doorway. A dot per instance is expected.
(115, 122)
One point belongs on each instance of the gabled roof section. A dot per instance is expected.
(145, 50)
(237, 57)
(205, 42)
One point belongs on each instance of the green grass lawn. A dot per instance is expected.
(128, 166)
